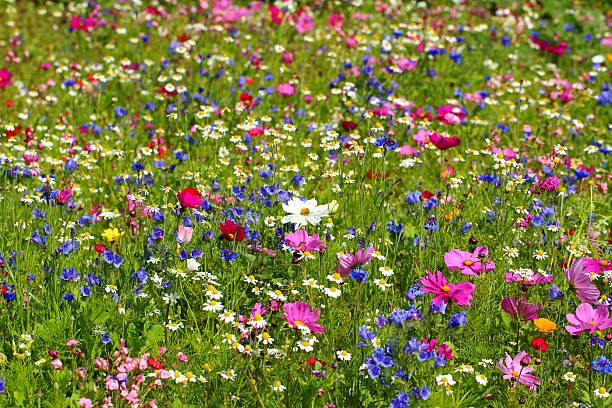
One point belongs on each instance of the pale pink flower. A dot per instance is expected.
(184, 234)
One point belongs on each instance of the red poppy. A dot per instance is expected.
(246, 98)
(190, 198)
(539, 343)
(101, 248)
(231, 231)
(254, 132)
(427, 194)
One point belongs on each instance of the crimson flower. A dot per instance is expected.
(231, 231)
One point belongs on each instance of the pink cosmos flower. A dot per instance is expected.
(335, 20)
(301, 241)
(437, 284)
(514, 370)
(63, 196)
(596, 266)
(299, 315)
(580, 281)
(304, 23)
(588, 319)
(519, 307)
(184, 234)
(528, 278)
(469, 263)
(444, 142)
(285, 89)
(190, 198)
(85, 403)
(57, 364)
(407, 150)
(450, 115)
(5, 78)
(406, 64)
(349, 261)
(83, 23)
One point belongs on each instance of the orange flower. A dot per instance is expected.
(545, 325)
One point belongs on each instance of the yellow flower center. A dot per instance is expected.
(298, 323)
(445, 289)
(515, 374)
(304, 211)
(468, 263)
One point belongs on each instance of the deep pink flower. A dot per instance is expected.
(301, 241)
(588, 319)
(514, 370)
(63, 196)
(596, 266)
(437, 284)
(83, 23)
(443, 142)
(5, 78)
(349, 261)
(519, 307)
(469, 263)
(190, 198)
(285, 89)
(304, 23)
(299, 315)
(450, 115)
(580, 281)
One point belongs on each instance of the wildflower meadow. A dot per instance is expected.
(343, 203)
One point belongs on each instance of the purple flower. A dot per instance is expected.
(518, 307)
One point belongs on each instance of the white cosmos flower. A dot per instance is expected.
(302, 213)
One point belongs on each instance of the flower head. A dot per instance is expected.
(469, 263)
(437, 284)
(588, 319)
(299, 315)
(514, 370)
(190, 198)
(306, 212)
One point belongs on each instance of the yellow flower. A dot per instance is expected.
(112, 234)
(545, 325)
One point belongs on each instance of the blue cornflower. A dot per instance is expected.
(458, 319)
(359, 275)
(602, 365)
(401, 400)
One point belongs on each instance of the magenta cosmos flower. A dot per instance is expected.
(596, 266)
(469, 263)
(349, 261)
(190, 198)
(301, 241)
(5, 78)
(588, 319)
(285, 89)
(437, 284)
(519, 307)
(299, 315)
(514, 370)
